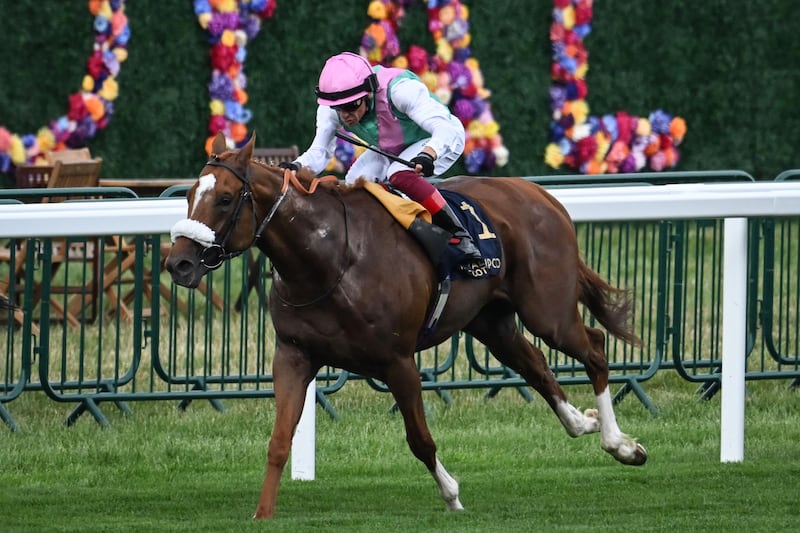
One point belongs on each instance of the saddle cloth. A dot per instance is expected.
(483, 235)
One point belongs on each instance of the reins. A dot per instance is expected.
(290, 177)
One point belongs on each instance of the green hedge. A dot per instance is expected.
(731, 69)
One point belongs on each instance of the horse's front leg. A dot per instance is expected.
(404, 383)
(292, 372)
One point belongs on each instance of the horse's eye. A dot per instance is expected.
(224, 200)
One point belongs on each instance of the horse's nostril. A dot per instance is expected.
(183, 271)
(180, 266)
(184, 267)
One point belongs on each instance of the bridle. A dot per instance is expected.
(213, 256)
(214, 253)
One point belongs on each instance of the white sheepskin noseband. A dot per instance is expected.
(194, 230)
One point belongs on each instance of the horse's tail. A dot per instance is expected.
(611, 306)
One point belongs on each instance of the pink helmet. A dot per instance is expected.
(344, 78)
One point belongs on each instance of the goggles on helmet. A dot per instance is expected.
(370, 85)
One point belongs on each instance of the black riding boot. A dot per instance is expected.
(448, 221)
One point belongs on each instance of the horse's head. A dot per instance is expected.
(222, 218)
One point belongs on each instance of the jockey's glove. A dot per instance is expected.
(425, 160)
(290, 165)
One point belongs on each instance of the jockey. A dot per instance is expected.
(392, 109)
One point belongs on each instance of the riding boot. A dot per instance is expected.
(447, 220)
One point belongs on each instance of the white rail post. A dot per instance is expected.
(734, 327)
(305, 438)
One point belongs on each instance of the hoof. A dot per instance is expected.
(629, 453)
(454, 505)
(262, 515)
(639, 456)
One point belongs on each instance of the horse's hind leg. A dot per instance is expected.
(497, 329)
(623, 447)
(292, 373)
(404, 383)
(587, 345)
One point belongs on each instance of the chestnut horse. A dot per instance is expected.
(351, 290)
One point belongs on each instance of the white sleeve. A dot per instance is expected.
(317, 156)
(413, 98)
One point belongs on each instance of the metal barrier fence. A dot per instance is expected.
(779, 316)
(103, 323)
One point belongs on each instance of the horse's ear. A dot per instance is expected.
(219, 146)
(246, 153)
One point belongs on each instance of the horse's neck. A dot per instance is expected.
(305, 236)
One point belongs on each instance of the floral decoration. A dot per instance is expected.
(451, 73)
(90, 109)
(597, 145)
(230, 24)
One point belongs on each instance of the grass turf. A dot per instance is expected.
(166, 470)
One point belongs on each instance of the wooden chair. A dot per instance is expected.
(74, 174)
(27, 177)
(40, 176)
(75, 168)
(73, 171)
(272, 156)
(85, 173)
(82, 174)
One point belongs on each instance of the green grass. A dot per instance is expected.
(166, 470)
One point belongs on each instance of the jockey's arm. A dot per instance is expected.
(447, 133)
(319, 153)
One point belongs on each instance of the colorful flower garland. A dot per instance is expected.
(451, 73)
(230, 24)
(91, 108)
(598, 145)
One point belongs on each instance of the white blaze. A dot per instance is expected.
(204, 184)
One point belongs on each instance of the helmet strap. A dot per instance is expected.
(371, 83)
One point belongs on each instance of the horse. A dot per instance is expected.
(351, 290)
